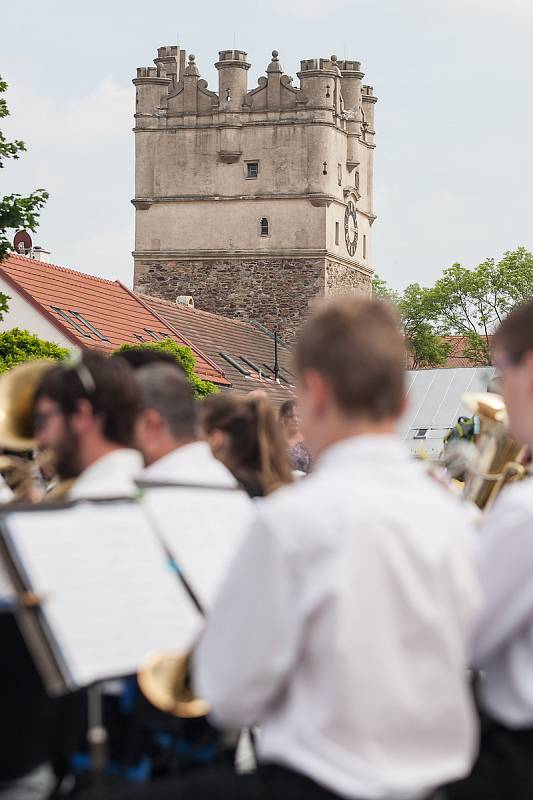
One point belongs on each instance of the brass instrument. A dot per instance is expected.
(500, 459)
(164, 680)
(18, 387)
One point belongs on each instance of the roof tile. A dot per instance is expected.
(109, 306)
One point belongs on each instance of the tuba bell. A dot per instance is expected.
(164, 680)
(500, 460)
(18, 387)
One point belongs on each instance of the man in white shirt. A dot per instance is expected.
(165, 431)
(84, 414)
(503, 649)
(343, 626)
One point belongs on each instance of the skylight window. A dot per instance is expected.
(88, 325)
(154, 335)
(72, 322)
(235, 364)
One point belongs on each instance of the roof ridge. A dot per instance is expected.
(33, 261)
(194, 310)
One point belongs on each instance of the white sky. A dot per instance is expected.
(454, 162)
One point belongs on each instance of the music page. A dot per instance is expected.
(110, 594)
(203, 529)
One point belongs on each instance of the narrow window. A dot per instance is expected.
(252, 169)
(339, 174)
(65, 316)
(337, 228)
(88, 325)
(153, 334)
(264, 226)
(364, 245)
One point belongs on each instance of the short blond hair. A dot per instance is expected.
(357, 344)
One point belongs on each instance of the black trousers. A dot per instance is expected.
(504, 768)
(269, 782)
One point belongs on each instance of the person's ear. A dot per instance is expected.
(318, 391)
(527, 362)
(83, 419)
(217, 441)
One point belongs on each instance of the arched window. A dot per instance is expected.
(263, 226)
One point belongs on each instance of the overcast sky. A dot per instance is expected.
(454, 158)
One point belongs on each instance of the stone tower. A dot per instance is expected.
(253, 201)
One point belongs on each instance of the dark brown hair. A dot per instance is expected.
(286, 409)
(356, 343)
(257, 453)
(107, 383)
(515, 334)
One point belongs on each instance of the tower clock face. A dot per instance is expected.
(350, 228)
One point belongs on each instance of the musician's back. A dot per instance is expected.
(363, 592)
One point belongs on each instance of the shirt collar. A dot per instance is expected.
(192, 463)
(383, 447)
(111, 475)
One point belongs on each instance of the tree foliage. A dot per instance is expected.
(16, 211)
(464, 302)
(425, 347)
(184, 356)
(17, 346)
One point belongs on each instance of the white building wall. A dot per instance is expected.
(21, 314)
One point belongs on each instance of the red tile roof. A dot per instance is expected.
(216, 334)
(457, 357)
(107, 305)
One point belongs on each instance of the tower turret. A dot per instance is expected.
(232, 79)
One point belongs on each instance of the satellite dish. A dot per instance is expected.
(22, 242)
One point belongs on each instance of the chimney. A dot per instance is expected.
(39, 254)
(185, 300)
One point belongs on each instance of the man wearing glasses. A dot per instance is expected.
(503, 647)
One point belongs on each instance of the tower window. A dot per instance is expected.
(337, 228)
(252, 169)
(364, 245)
(264, 227)
(339, 174)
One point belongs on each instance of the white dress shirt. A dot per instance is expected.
(343, 627)
(504, 640)
(112, 475)
(194, 464)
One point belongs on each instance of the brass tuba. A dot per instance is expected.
(18, 387)
(164, 680)
(500, 459)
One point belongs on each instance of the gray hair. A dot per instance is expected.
(166, 389)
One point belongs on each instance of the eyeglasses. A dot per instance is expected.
(41, 418)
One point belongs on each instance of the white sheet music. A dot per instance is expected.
(203, 529)
(110, 595)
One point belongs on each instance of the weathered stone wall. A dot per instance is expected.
(345, 279)
(275, 292)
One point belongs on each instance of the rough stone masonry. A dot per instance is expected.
(253, 202)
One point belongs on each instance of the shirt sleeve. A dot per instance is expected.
(506, 571)
(249, 645)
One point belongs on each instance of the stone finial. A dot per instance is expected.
(192, 68)
(274, 65)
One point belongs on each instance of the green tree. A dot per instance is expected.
(472, 302)
(16, 211)
(184, 356)
(426, 348)
(17, 346)
(381, 288)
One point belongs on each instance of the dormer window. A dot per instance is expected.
(252, 169)
(264, 227)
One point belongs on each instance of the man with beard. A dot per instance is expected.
(85, 415)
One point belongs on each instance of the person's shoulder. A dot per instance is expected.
(515, 499)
